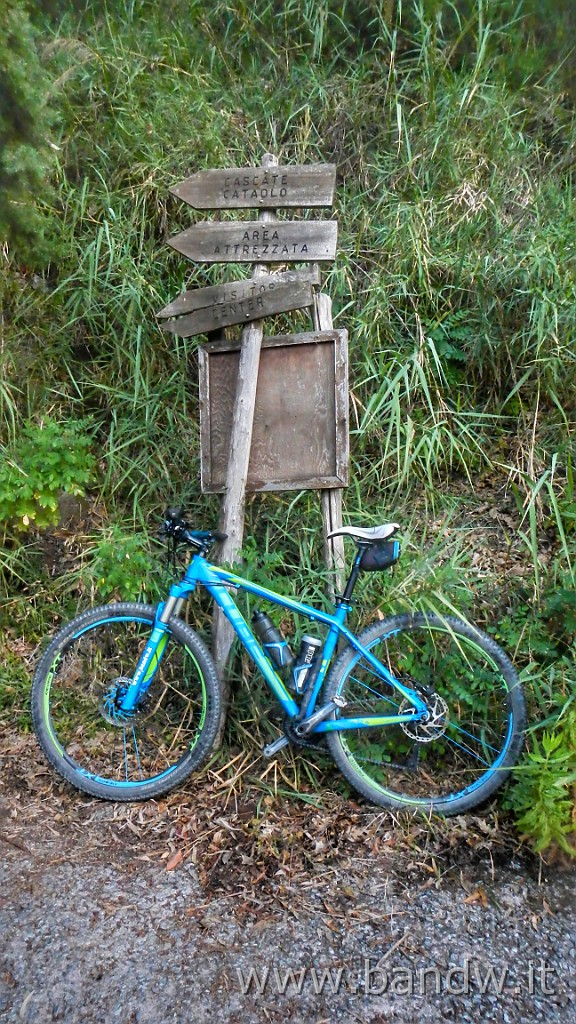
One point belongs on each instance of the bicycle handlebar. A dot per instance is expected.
(175, 526)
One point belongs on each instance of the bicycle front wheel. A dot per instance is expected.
(473, 736)
(109, 754)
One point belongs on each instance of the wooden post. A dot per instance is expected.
(331, 498)
(232, 510)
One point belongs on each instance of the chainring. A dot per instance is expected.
(301, 741)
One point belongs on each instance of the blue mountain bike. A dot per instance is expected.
(418, 711)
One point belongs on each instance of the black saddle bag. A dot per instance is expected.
(380, 555)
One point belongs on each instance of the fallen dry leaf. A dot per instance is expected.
(478, 896)
(175, 860)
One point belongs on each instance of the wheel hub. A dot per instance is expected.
(432, 726)
(111, 711)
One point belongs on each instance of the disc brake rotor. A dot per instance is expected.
(110, 710)
(431, 728)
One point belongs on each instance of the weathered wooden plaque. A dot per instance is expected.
(300, 429)
(237, 302)
(199, 298)
(259, 187)
(302, 241)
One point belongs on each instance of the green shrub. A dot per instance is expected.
(120, 566)
(543, 797)
(49, 459)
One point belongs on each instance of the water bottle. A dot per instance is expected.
(272, 640)
(304, 668)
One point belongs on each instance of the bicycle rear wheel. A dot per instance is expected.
(84, 736)
(464, 753)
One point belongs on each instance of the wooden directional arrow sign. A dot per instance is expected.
(254, 242)
(259, 187)
(241, 302)
(200, 298)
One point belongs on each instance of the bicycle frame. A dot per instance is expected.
(216, 581)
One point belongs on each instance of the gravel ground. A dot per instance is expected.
(96, 929)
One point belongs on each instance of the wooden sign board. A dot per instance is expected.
(300, 430)
(248, 303)
(259, 187)
(199, 298)
(238, 302)
(304, 241)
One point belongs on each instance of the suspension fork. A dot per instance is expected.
(153, 652)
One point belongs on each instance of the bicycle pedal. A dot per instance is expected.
(273, 748)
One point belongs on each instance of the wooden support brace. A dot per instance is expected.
(331, 499)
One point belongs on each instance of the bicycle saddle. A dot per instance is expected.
(366, 534)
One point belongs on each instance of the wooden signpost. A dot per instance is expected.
(237, 302)
(266, 187)
(299, 404)
(235, 291)
(254, 242)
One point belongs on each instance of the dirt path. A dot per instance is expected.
(158, 913)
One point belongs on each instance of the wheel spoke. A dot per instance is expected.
(468, 750)
(125, 745)
(483, 743)
(134, 737)
(376, 693)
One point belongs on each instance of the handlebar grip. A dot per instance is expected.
(188, 536)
